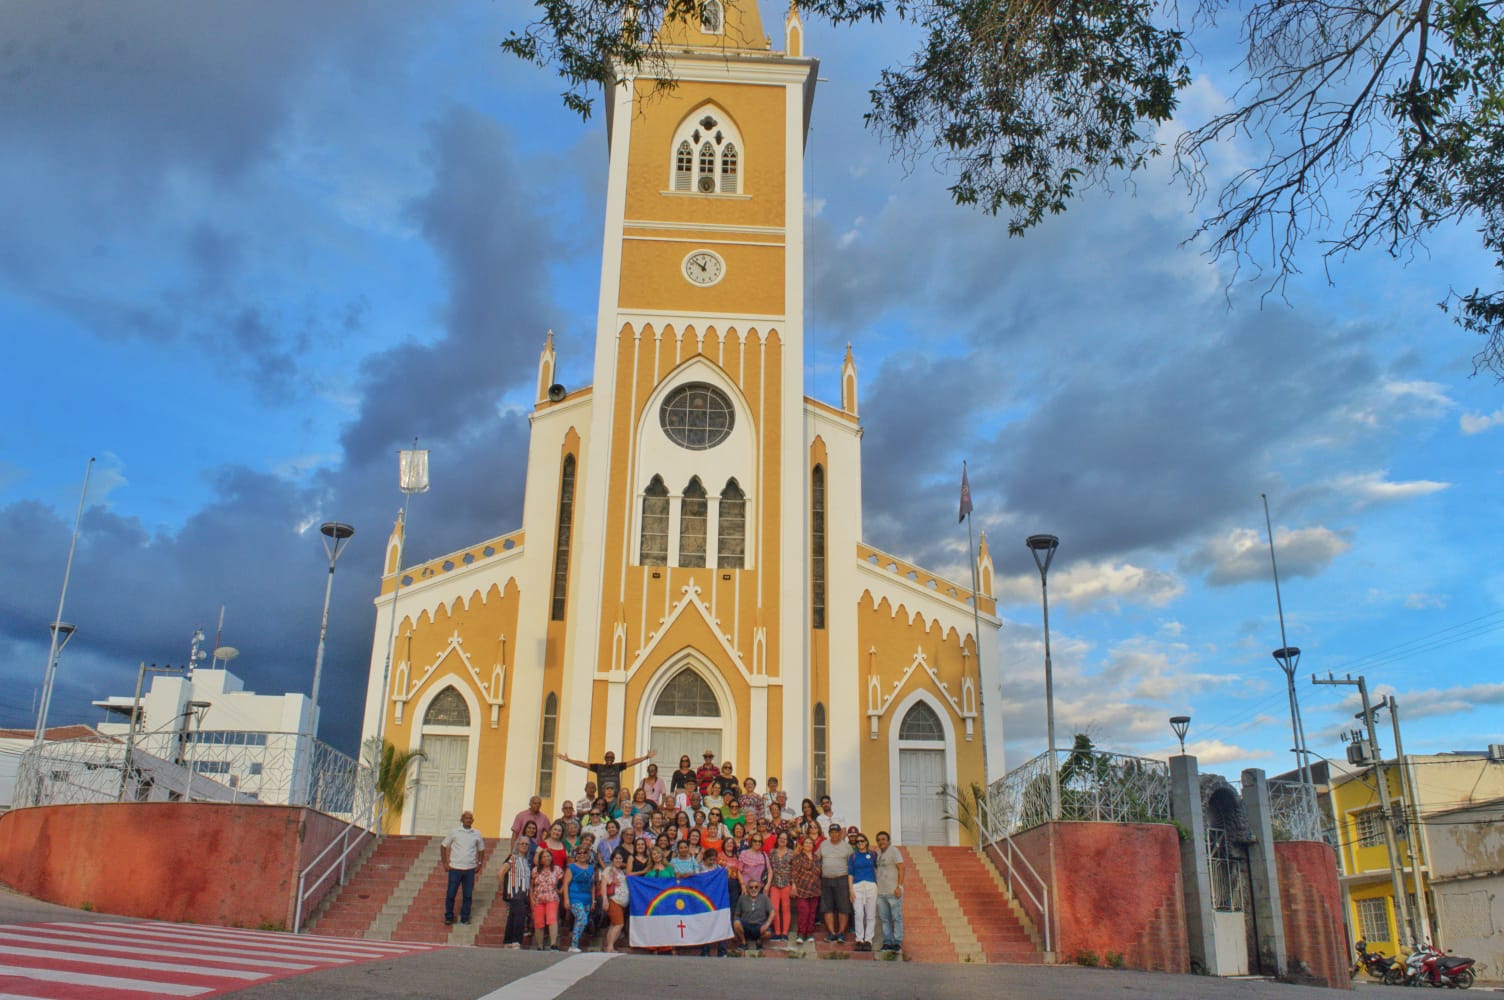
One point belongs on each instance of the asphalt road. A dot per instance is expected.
(497, 974)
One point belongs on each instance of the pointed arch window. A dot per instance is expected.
(448, 709)
(694, 511)
(655, 523)
(728, 169)
(688, 695)
(817, 546)
(684, 167)
(707, 167)
(922, 724)
(549, 747)
(710, 17)
(561, 546)
(731, 541)
(820, 772)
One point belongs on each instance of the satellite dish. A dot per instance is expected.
(226, 653)
(556, 392)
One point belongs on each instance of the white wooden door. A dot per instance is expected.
(441, 784)
(921, 778)
(673, 742)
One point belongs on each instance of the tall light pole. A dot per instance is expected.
(336, 534)
(1289, 658)
(59, 628)
(1043, 548)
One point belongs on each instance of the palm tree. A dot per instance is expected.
(389, 767)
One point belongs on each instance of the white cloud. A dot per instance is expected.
(1420, 602)
(1086, 583)
(1374, 487)
(1220, 752)
(1477, 423)
(1241, 555)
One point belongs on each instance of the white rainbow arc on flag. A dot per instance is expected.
(670, 912)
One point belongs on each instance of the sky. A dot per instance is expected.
(251, 250)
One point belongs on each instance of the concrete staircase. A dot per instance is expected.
(955, 907)
(398, 895)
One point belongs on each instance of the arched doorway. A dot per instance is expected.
(924, 763)
(440, 792)
(686, 720)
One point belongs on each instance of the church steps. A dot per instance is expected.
(355, 907)
(973, 910)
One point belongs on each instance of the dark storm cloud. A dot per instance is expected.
(484, 220)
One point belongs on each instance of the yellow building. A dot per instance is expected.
(690, 572)
(1438, 783)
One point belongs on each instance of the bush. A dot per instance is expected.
(1114, 960)
(1087, 958)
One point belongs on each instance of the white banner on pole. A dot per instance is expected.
(414, 470)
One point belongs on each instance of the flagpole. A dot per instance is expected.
(976, 618)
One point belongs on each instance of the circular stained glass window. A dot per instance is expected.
(697, 416)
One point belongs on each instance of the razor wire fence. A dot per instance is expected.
(1294, 813)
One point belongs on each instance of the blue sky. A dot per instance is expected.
(252, 250)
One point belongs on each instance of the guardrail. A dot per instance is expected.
(340, 861)
(1019, 874)
(1095, 786)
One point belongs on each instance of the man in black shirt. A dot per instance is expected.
(608, 772)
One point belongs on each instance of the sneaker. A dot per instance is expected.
(448, 921)
(464, 920)
(574, 949)
(831, 939)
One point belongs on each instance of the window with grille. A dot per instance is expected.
(688, 695)
(731, 543)
(817, 547)
(921, 723)
(448, 709)
(655, 523)
(1370, 827)
(728, 169)
(697, 416)
(684, 167)
(546, 752)
(707, 167)
(819, 786)
(1373, 919)
(561, 547)
(694, 511)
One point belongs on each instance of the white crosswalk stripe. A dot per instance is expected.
(130, 960)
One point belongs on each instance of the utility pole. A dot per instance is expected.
(1396, 873)
(1412, 821)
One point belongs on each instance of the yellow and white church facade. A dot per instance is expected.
(690, 572)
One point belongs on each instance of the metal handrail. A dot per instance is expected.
(305, 890)
(988, 837)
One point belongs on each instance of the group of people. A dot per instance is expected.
(786, 869)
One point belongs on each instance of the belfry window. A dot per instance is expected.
(921, 723)
(549, 745)
(710, 17)
(817, 547)
(684, 167)
(817, 745)
(448, 709)
(707, 155)
(655, 523)
(694, 512)
(561, 546)
(728, 168)
(731, 541)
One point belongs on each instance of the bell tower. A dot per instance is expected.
(694, 486)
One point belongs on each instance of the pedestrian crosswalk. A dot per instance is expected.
(130, 961)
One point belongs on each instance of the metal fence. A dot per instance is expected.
(209, 766)
(1294, 813)
(1095, 786)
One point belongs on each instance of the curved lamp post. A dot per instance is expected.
(1043, 549)
(336, 534)
(1181, 724)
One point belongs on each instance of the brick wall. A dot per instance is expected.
(1117, 890)
(202, 862)
(1315, 935)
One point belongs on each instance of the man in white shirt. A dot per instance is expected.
(462, 853)
(828, 816)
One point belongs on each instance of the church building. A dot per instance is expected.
(690, 573)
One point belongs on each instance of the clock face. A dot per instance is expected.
(703, 268)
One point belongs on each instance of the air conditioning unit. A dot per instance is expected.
(1360, 753)
(1496, 752)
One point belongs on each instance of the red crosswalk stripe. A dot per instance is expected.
(135, 960)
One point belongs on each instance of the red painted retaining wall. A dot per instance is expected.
(214, 863)
(1315, 935)
(1117, 890)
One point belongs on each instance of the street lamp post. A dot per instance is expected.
(1288, 658)
(336, 534)
(1043, 549)
(1181, 724)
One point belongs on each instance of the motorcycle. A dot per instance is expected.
(1377, 966)
(1430, 966)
